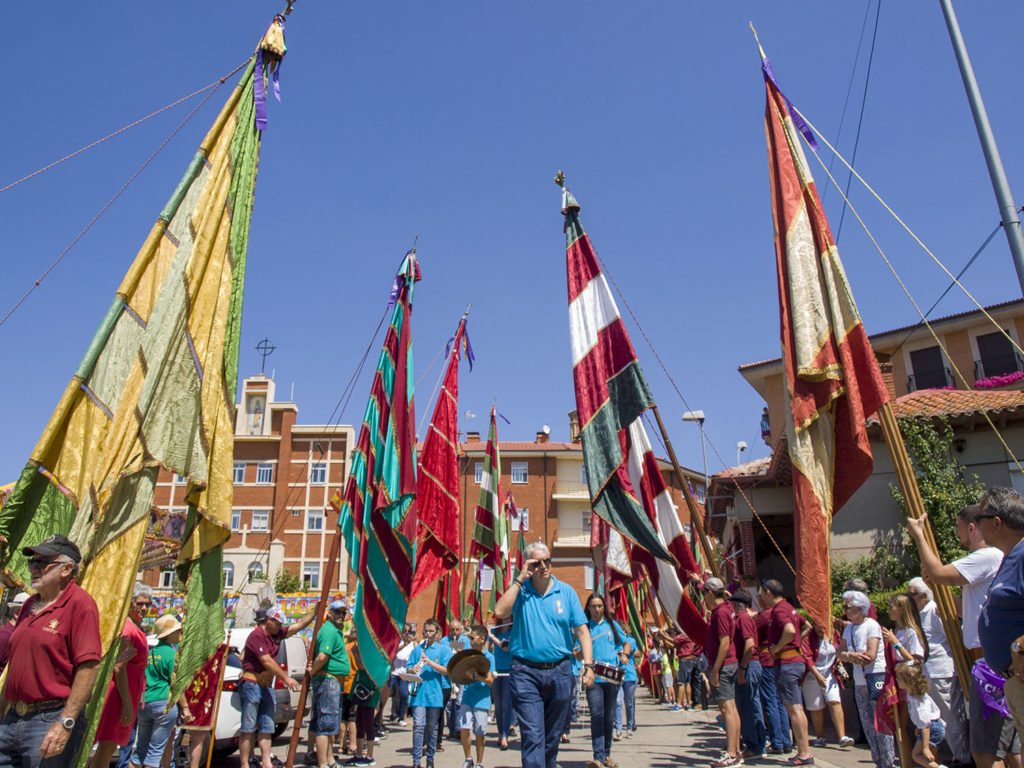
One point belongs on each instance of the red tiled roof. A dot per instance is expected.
(522, 446)
(754, 468)
(933, 403)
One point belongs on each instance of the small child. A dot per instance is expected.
(476, 702)
(923, 713)
(365, 697)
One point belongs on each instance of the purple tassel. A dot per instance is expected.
(259, 94)
(277, 81)
(990, 690)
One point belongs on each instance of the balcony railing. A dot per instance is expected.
(937, 378)
(998, 365)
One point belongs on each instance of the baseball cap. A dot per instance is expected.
(714, 584)
(338, 605)
(741, 596)
(54, 545)
(19, 599)
(276, 614)
(261, 615)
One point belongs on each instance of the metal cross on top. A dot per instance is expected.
(265, 348)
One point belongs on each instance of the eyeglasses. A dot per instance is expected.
(40, 563)
(980, 516)
(546, 561)
(140, 604)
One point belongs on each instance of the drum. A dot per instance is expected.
(609, 673)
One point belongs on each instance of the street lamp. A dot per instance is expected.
(698, 416)
(741, 446)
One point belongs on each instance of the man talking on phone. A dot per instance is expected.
(547, 613)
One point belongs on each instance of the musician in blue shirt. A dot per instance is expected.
(627, 692)
(429, 660)
(547, 615)
(609, 642)
(501, 691)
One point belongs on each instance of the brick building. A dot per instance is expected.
(286, 474)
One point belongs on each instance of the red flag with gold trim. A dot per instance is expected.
(832, 378)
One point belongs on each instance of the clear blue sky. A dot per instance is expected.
(448, 121)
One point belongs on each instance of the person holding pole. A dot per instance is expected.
(720, 649)
(991, 737)
(328, 666)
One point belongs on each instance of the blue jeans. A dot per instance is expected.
(20, 738)
(424, 731)
(257, 707)
(776, 717)
(124, 754)
(572, 714)
(601, 701)
(155, 727)
(501, 692)
(541, 699)
(399, 697)
(748, 701)
(626, 700)
(326, 717)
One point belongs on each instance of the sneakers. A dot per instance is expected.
(818, 742)
(675, 708)
(366, 761)
(846, 741)
(797, 760)
(467, 763)
(727, 761)
(753, 754)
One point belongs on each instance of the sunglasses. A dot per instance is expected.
(984, 517)
(40, 563)
(545, 561)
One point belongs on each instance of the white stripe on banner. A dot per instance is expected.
(485, 484)
(593, 309)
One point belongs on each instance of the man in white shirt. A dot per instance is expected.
(940, 671)
(993, 738)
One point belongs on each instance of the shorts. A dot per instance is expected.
(666, 676)
(936, 732)
(726, 688)
(326, 717)
(685, 672)
(257, 707)
(787, 682)
(815, 697)
(993, 736)
(348, 708)
(471, 719)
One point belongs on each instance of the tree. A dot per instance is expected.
(286, 581)
(945, 487)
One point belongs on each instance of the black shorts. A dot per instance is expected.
(348, 708)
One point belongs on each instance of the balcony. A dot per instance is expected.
(937, 378)
(570, 490)
(998, 365)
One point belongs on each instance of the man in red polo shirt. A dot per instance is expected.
(784, 644)
(259, 668)
(722, 664)
(55, 655)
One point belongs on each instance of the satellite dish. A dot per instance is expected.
(546, 429)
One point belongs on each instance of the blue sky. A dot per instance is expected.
(448, 121)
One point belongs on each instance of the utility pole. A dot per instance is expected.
(1007, 206)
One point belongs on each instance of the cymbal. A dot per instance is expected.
(464, 662)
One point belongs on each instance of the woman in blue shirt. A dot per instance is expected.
(607, 638)
(501, 691)
(429, 660)
(627, 693)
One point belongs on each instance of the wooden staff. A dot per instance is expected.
(696, 521)
(325, 590)
(915, 508)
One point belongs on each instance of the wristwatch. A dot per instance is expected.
(1017, 648)
(67, 722)
(588, 665)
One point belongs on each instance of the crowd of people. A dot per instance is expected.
(770, 672)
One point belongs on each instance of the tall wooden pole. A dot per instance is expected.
(216, 700)
(321, 606)
(915, 509)
(696, 522)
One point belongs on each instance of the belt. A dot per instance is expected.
(22, 708)
(790, 653)
(339, 678)
(263, 679)
(540, 664)
(687, 658)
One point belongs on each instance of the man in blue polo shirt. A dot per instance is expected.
(547, 614)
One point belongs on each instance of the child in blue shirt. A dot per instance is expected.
(476, 702)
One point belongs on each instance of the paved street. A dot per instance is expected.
(662, 739)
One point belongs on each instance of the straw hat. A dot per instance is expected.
(166, 625)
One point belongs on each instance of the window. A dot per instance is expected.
(167, 578)
(583, 473)
(522, 520)
(585, 522)
(256, 571)
(928, 370)
(478, 472)
(314, 519)
(238, 476)
(486, 578)
(236, 519)
(318, 474)
(296, 513)
(520, 474)
(311, 576)
(997, 356)
(698, 492)
(588, 576)
(261, 520)
(229, 575)
(179, 480)
(265, 473)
